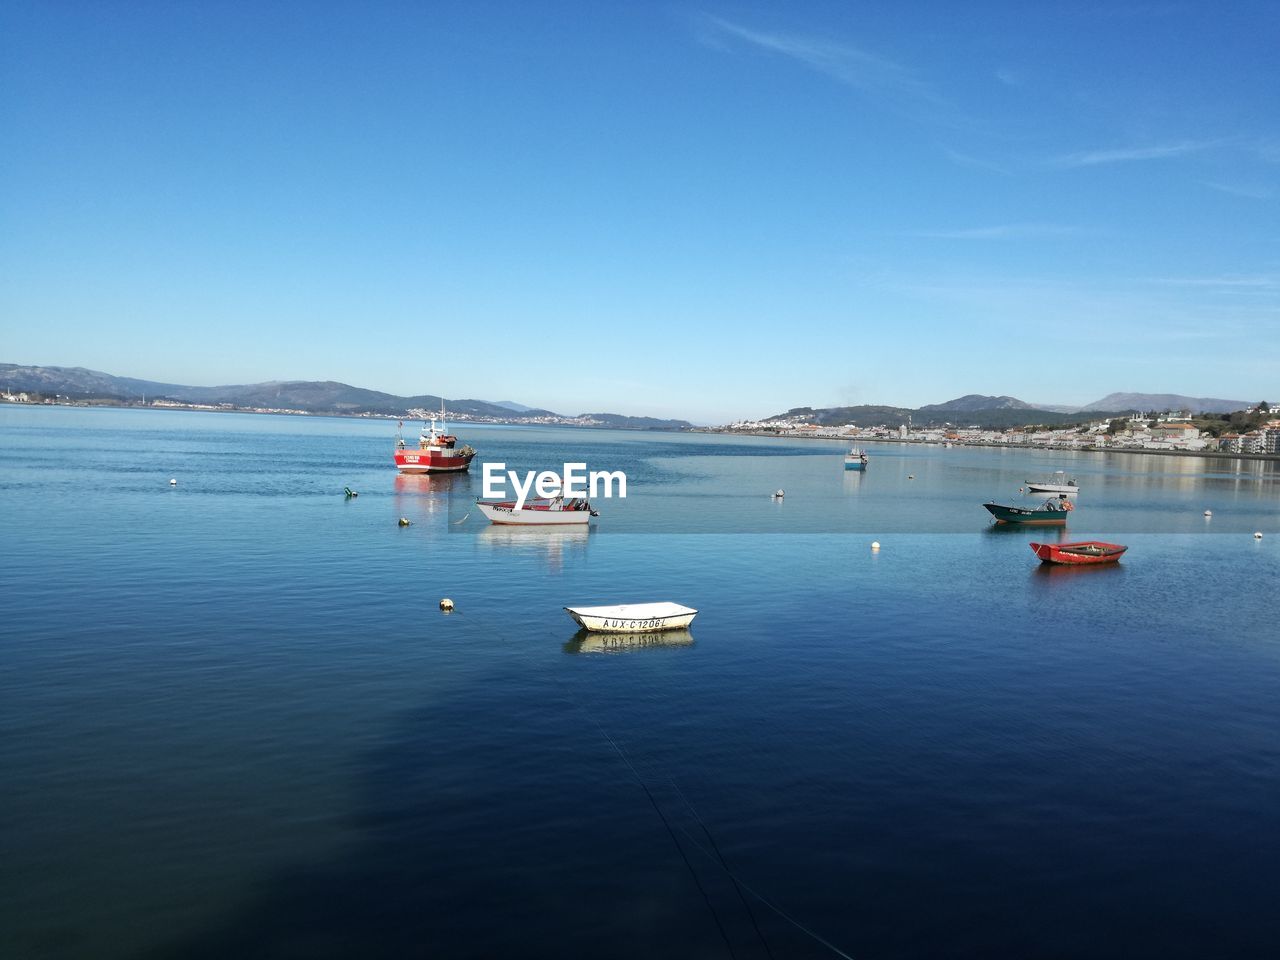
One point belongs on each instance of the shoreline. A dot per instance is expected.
(464, 418)
(1203, 454)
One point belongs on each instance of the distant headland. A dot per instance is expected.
(37, 384)
(1151, 423)
(1154, 422)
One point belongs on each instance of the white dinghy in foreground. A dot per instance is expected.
(633, 617)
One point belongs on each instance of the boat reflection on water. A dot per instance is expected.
(853, 480)
(584, 641)
(1047, 573)
(432, 483)
(555, 543)
(534, 537)
(422, 495)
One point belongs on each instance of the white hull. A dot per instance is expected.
(633, 617)
(1055, 482)
(503, 514)
(1052, 488)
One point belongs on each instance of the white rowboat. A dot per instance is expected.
(633, 617)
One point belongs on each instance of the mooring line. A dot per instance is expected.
(674, 839)
(767, 902)
(720, 857)
(716, 857)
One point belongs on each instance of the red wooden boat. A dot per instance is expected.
(1086, 551)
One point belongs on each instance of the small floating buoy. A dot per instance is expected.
(173, 481)
(1208, 513)
(1257, 535)
(446, 604)
(405, 521)
(349, 492)
(875, 544)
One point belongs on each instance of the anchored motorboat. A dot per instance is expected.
(540, 512)
(1052, 511)
(1057, 482)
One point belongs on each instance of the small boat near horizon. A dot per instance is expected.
(437, 450)
(633, 617)
(1057, 482)
(855, 459)
(1083, 552)
(551, 511)
(1052, 511)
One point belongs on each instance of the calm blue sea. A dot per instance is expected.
(234, 723)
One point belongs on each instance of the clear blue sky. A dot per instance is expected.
(707, 211)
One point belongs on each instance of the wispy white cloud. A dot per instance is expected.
(865, 71)
(1260, 283)
(1164, 151)
(1002, 231)
(1251, 191)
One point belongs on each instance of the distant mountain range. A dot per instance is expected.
(1143, 402)
(1000, 412)
(312, 396)
(1167, 401)
(332, 397)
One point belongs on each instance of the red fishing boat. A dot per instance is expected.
(1086, 551)
(437, 451)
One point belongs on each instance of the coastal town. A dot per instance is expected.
(1165, 432)
(1168, 432)
(520, 418)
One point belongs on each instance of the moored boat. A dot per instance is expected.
(437, 451)
(1053, 511)
(633, 617)
(544, 512)
(1058, 482)
(855, 459)
(1086, 551)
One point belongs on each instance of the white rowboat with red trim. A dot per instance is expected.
(552, 511)
(633, 617)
